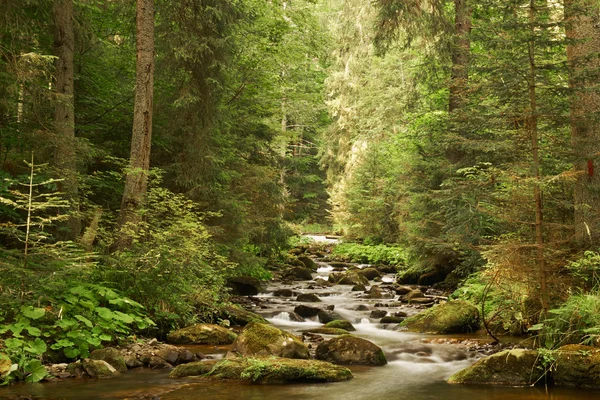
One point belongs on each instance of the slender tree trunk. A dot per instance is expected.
(537, 191)
(137, 174)
(461, 52)
(64, 112)
(583, 55)
(459, 76)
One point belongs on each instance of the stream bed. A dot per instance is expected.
(417, 369)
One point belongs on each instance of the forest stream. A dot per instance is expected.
(417, 369)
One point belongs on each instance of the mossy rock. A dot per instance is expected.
(111, 356)
(369, 273)
(456, 316)
(326, 316)
(239, 316)
(5, 364)
(327, 331)
(308, 263)
(577, 366)
(349, 349)
(271, 370)
(262, 340)
(340, 324)
(300, 273)
(193, 369)
(517, 367)
(99, 368)
(202, 334)
(353, 278)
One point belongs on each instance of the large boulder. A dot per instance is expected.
(369, 273)
(340, 324)
(266, 370)
(456, 316)
(300, 273)
(349, 349)
(99, 368)
(262, 340)
(202, 334)
(577, 366)
(326, 316)
(244, 285)
(306, 311)
(309, 263)
(517, 367)
(352, 278)
(283, 292)
(308, 298)
(111, 356)
(374, 293)
(239, 316)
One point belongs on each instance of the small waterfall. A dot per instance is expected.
(283, 316)
(365, 321)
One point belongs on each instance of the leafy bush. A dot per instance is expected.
(577, 320)
(586, 269)
(173, 268)
(505, 303)
(378, 254)
(85, 318)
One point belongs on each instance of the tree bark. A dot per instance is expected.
(136, 180)
(461, 52)
(64, 110)
(583, 56)
(537, 191)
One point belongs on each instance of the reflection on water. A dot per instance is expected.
(417, 370)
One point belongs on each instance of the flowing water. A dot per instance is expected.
(418, 365)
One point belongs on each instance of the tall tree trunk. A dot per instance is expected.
(535, 147)
(459, 76)
(583, 55)
(461, 52)
(139, 163)
(64, 112)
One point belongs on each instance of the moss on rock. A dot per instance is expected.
(197, 368)
(327, 331)
(263, 340)
(272, 370)
(577, 366)
(517, 367)
(239, 316)
(340, 324)
(456, 316)
(349, 349)
(111, 356)
(99, 368)
(202, 334)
